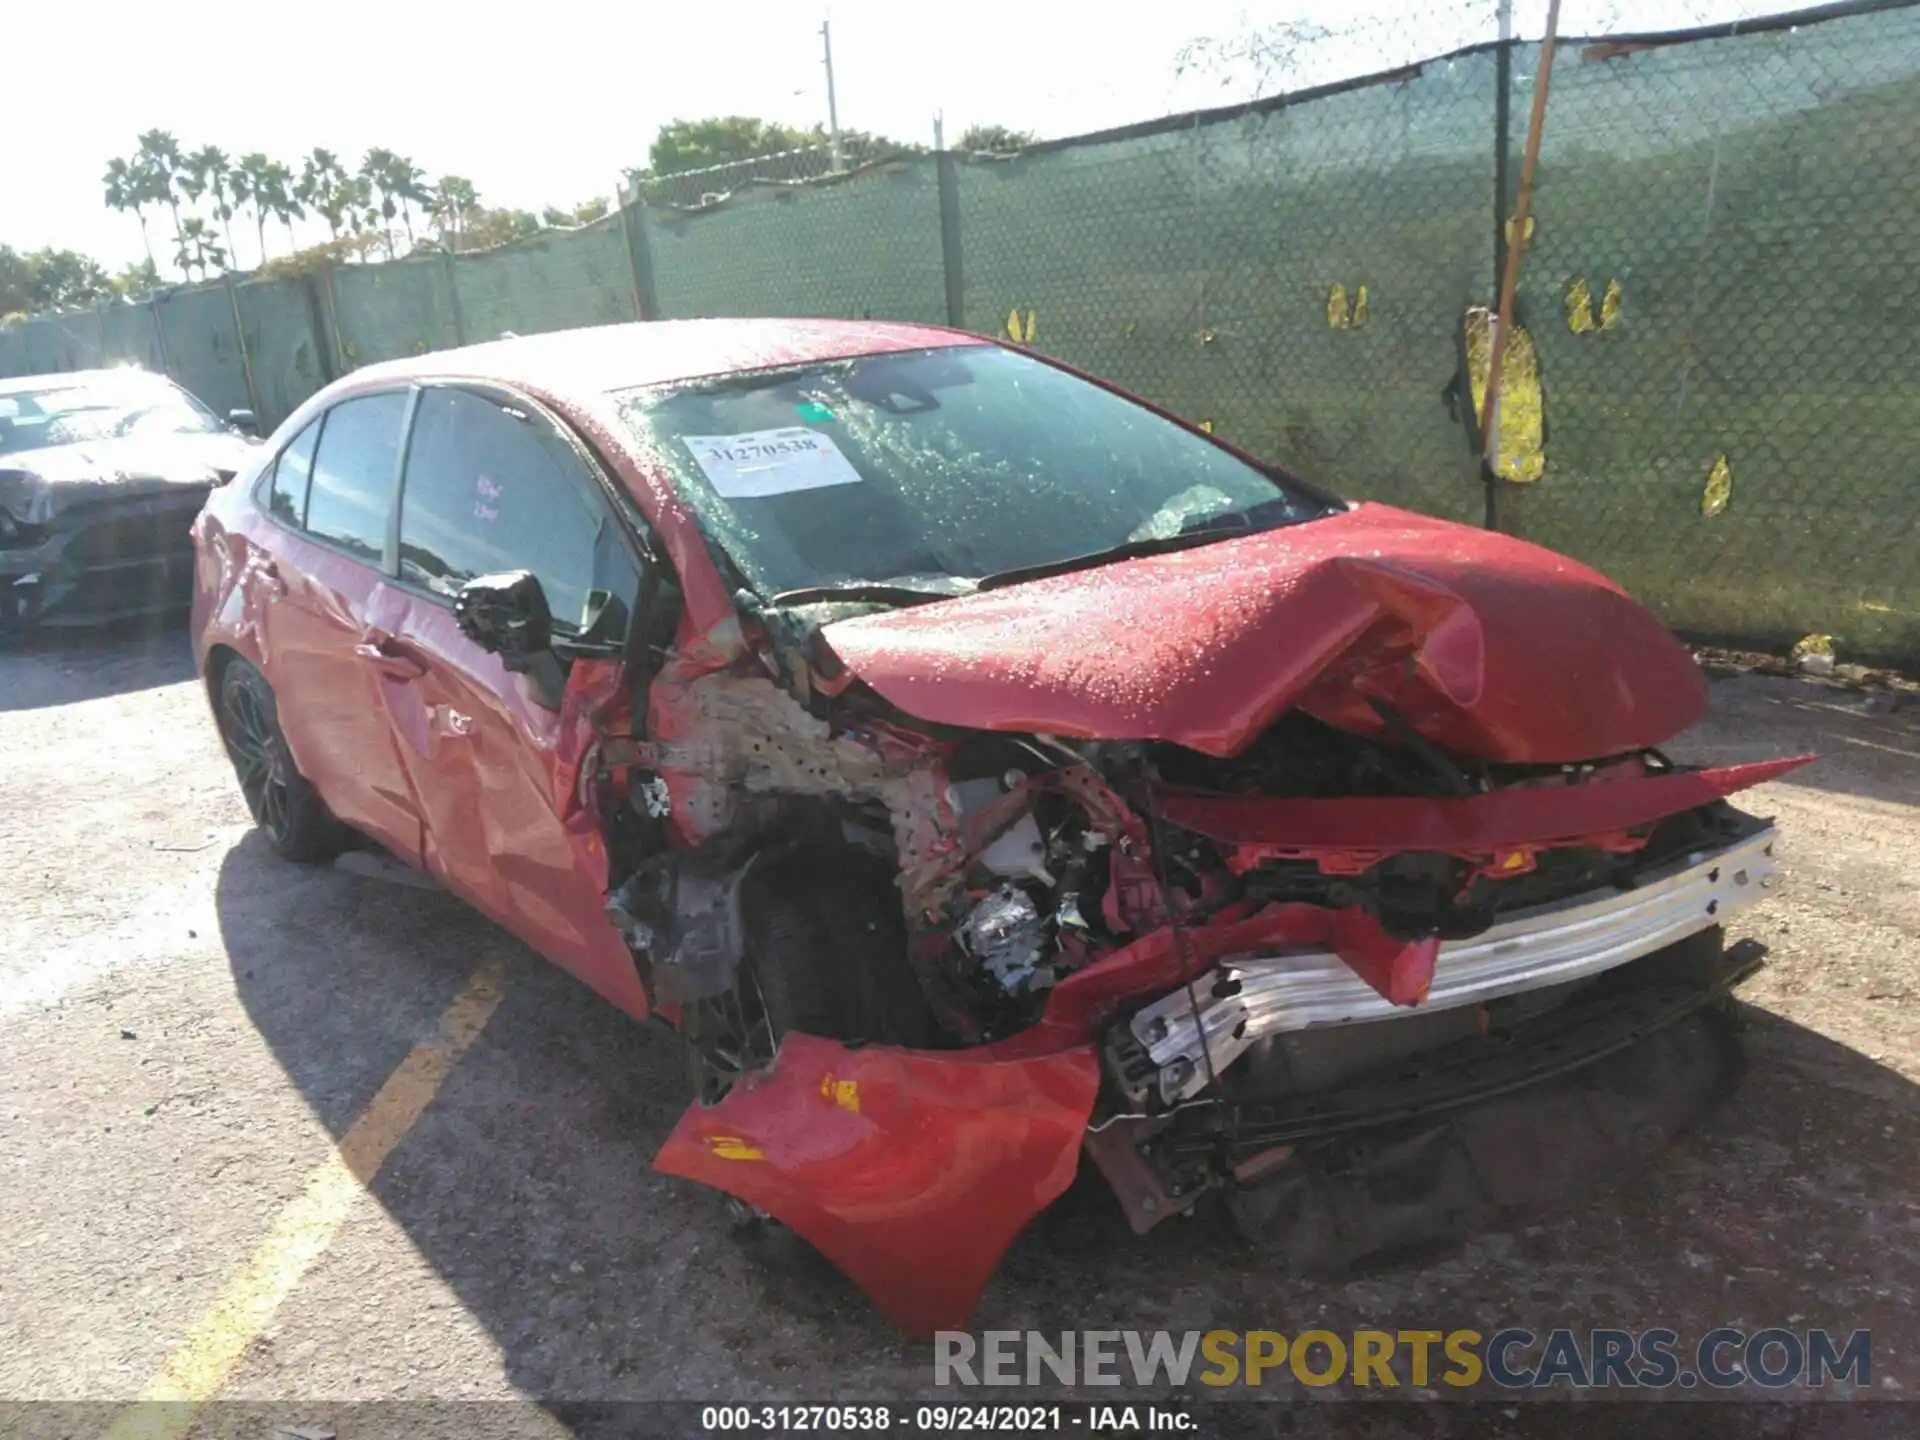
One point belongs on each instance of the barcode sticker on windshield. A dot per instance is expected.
(770, 462)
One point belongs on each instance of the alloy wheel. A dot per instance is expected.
(260, 759)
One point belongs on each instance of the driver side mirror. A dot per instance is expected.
(506, 614)
(244, 422)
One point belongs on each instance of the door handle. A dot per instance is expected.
(385, 654)
(270, 580)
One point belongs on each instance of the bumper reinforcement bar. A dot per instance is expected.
(1248, 997)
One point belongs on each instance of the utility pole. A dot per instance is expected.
(833, 105)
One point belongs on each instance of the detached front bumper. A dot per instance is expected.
(103, 561)
(1248, 998)
(913, 1171)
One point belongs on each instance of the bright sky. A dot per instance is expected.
(546, 104)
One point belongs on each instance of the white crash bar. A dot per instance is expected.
(1546, 945)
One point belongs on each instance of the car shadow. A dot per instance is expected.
(64, 666)
(527, 1188)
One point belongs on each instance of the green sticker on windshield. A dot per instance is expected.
(813, 410)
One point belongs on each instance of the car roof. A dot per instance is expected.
(118, 374)
(656, 352)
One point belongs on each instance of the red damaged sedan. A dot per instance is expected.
(979, 767)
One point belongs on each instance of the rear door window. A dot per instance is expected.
(351, 493)
(287, 486)
(490, 487)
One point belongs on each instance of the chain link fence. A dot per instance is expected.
(1713, 396)
(1735, 434)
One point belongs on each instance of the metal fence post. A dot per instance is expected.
(160, 337)
(1502, 141)
(240, 339)
(947, 174)
(323, 351)
(447, 262)
(343, 362)
(633, 228)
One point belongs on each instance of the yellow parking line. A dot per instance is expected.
(198, 1367)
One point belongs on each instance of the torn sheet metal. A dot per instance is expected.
(1371, 827)
(912, 1171)
(1452, 627)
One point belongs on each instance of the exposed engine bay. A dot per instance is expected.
(1017, 861)
(1157, 941)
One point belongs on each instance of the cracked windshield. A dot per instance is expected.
(936, 470)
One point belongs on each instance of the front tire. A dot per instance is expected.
(282, 801)
(827, 950)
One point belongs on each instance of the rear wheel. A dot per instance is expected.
(283, 802)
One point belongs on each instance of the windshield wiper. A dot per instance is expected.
(1203, 530)
(878, 592)
(1125, 550)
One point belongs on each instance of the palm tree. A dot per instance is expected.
(157, 157)
(407, 183)
(279, 197)
(357, 201)
(213, 173)
(323, 186)
(454, 199)
(199, 248)
(126, 192)
(381, 206)
(253, 184)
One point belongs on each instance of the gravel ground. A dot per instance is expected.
(187, 1025)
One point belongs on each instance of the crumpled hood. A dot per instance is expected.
(37, 485)
(1486, 645)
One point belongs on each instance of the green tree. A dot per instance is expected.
(482, 229)
(157, 158)
(124, 192)
(212, 174)
(71, 278)
(323, 188)
(49, 279)
(992, 140)
(368, 212)
(281, 199)
(721, 140)
(141, 277)
(376, 204)
(407, 183)
(266, 186)
(584, 213)
(861, 147)
(199, 248)
(19, 283)
(454, 199)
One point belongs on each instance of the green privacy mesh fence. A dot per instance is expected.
(1196, 265)
(1755, 202)
(1724, 392)
(865, 246)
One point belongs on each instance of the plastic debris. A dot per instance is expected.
(1814, 655)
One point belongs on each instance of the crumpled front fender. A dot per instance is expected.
(912, 1171)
